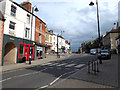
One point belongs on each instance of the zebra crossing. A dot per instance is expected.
(66, 65)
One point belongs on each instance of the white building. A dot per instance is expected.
(17, 32)
(54, 43)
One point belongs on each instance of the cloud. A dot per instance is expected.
(77, 18)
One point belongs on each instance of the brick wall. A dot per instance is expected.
(37, 30)
(1, 39)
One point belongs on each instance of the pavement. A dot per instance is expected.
(49, 58)
(107, 77)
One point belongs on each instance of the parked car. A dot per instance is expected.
(104, 54)
(93, 51)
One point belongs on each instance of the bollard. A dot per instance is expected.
(94, 67)
(97, 66)
(88, 66)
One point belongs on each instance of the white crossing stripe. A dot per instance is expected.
(62, 64)
(46, 63)
(80, 65)
(69, 65)
(53, 64)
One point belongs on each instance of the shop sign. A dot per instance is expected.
(39, 48)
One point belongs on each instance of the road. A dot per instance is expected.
(45, 75)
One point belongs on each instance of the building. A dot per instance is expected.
(109, 40)
(48, 41)
(54, 43)
(118, 44)
(61, 44)
(19, 40)
(67, 47)
(39, 38)
(1, 34)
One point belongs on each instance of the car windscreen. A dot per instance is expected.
(104, 51)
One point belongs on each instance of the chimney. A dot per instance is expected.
(27, 5)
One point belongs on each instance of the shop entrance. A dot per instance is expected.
(10, 55)
(26, 50)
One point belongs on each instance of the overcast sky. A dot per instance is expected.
(77, 18)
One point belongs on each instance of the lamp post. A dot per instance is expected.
(36, 10)
(91, 4)
(57, 46)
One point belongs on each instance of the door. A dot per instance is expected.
(26, 54)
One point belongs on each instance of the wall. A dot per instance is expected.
(54, 41)
(21, 22)
(1, 39)
(113, 40)
(37, 31)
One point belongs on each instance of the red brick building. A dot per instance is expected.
(1, 34)
(39, 38)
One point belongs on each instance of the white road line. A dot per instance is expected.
(70, 65)
(56, 80)
(12, 71)
(80, 65)
(62, 64)
(54, 64)
(46, 63)
(43, 87)
(22, 75)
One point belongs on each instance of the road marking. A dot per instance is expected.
(46, 63)
(23, 75)
(56, 80)
(70, 65)
(62, 64)
(43, 87)
(54, 64)
(80, 65)
(4, 72)
(67, 77)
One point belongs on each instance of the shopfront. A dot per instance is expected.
(14, 49)
(26, 50)
(39, 50)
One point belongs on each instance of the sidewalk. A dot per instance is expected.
(106, 78)
(34, 63)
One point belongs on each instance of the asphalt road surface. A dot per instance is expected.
(45, 75)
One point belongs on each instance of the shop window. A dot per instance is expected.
(21, 50)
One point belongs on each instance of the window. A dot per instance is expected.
(21, 50)
(28, 19)
(27, 30)
(39, 37)
(13, 10)
(40, 26)
(12, 25)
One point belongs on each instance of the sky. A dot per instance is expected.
(76, 18)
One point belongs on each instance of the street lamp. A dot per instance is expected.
(36, 10)
(91, 4)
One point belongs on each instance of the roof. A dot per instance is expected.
(113, 31)
(26, 10)
(61, 37)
